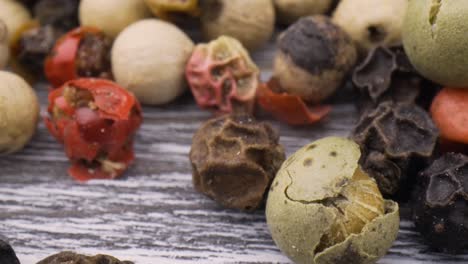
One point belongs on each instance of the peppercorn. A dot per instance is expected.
(322, 208)
(7, 254)
(222, 76)
(250, 22)
(387, 75)
(102, 14)
(435, 40)
(149, 58)
(440, 203)
(61, 15)
(371, 23)
(82, 52)
(234, 159)
(67, 257)
(19, 112)
(4, 49)
(288, 11)
(34, 46)
(449, 111)
(16, 18)
(397, 139)
(166, 9)
(313, 59)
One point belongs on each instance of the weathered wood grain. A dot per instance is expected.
(153, 215)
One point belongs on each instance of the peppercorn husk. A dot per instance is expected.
(223, 77)
(313, 59)
(234, 159)
(93, 58)
(440, 203)
(322, 186)
(68, 257)
(7, 254)
(396, 139)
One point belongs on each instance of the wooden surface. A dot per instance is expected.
(153, 215)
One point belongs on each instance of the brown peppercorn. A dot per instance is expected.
(68, 257)
(440, 203)
(7, 254)
(234, 159)
(313, 59)
(387, 75)
(93, 56)
(396, 139)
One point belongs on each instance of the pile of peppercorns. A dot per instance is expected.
(327, 203)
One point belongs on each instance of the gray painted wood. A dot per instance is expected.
(152, 214)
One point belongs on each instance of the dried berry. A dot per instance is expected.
(4, 49)
(450, 113)
(60, 14)
(322, 208)
(395, 139)
(19, 112)
(371, 23)
(112, 16)
(234, 159)
(250, 22)
(165, 9)
(288, 11)
(68, 257)
(149, 59)
(34, 46)
(82, 52)
(313, 59)
(7, 254)
(441, 203)
(387, 75)
(434, 42)
(222, 76)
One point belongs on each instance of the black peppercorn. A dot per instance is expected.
(34, 46)
(61, 14)
(7, 254)
(396, 140)
(67, 257)
(440, 203)
(234, 160)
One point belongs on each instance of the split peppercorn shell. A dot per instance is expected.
(440, 203)
(396, 140)
(234, 159)
(322, 208)
(68, 257)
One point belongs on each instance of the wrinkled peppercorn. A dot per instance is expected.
(396, 140)
(234, 160)
(34, 46)
(93, 56)
(61, 14)
(441, 203)
(68, 257)
(387, 75)
(7, 254)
